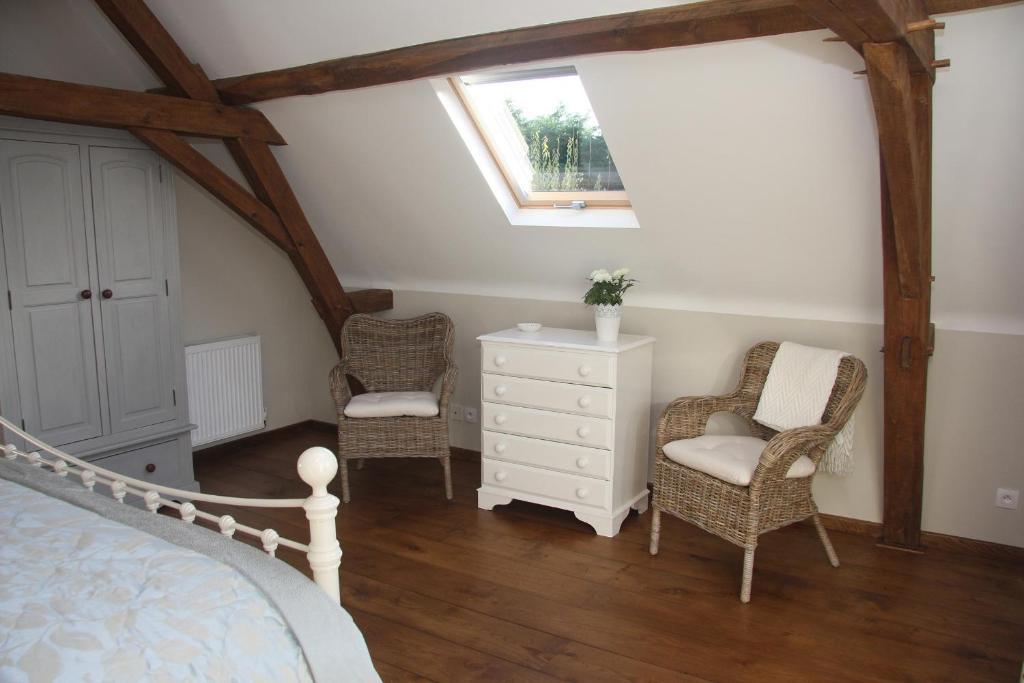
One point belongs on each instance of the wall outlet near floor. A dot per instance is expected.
(471, 414)
(1007, 498)
(458, 413)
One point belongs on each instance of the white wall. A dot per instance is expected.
(974, 398)
(235, 282)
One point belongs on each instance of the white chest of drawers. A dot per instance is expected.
(566, 422)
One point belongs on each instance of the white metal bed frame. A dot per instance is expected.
(317, 467)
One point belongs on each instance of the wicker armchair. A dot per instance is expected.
(739, 514)
(389, 356)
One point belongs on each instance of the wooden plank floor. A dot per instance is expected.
(446, 592)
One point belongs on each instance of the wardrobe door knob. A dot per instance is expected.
(85, 294)
(500, 447)
(582, 463)
(151, 468)
(500, 390)
(584, 370)
(500, 419)
(500, 360)
(106, 294)
(500, 475)
(582, 493)
(584, 402)
(583, 431)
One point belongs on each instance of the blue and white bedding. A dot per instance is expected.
(86, 595)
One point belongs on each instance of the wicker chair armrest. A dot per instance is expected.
(340, 391)
(451, 373)
(786, 447)
(687, 417)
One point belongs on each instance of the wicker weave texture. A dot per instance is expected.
(739, 514)
(394, 355)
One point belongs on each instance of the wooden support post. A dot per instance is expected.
(903, 109)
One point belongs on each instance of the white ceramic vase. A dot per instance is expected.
(607, 318)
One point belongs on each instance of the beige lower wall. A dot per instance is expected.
(974, 398)
(236, 283)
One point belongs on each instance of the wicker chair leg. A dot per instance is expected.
(748, 574)
(343, 466)
(447, 465)
(823, 535)
(360, 462)
(655, 529)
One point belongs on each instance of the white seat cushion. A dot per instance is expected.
(393, 404)
(732, 459)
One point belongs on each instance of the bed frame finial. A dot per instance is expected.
(317, 467)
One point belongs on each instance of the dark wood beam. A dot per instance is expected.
(158, 49)
(273, 192)
(372, 300)
(40, 98)
(877, 21)
(270, 184)
(177, 151)
(946, 6)
(692, 24)
(889, 77)
(903, 111)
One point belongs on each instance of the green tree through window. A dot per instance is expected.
(566, 152)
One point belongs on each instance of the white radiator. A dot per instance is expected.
(225, 388)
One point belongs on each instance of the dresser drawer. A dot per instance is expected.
(162, 458)
(578, 429)
(592, 462)
(595, 369)
(531, 480)
(535, 393)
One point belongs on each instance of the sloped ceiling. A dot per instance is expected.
(752, 165)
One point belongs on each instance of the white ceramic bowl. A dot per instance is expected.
(529, 327)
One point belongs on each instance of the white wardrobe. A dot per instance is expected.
(91, 354)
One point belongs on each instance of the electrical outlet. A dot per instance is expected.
(1007, 498)
(471, 414)
(457, 412)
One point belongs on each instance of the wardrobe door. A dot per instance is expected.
(46, 250)
(129, 216)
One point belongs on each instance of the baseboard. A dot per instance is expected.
(929, 539)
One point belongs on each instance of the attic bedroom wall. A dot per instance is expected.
(234, 282)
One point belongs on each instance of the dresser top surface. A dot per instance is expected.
(554, 337)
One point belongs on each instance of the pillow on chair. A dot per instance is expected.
(732, 459)
(393, 404)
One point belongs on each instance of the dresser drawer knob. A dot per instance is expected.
(582, 463)
(582, 493)
(584, 370)
(500, 419)
(500, 360)
(584, 402)
(500, 475)
(583, 431)
(500, 447)
(500, 390)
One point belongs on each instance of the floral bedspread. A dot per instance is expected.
(85, 598)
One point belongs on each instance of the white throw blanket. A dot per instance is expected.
(796, 393)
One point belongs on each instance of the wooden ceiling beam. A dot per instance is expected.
(257, 162)
(41, 98)
(176, 149)
(158, 49)
(692, 24)
(878, 21)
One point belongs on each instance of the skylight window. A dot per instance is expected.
(544, 136)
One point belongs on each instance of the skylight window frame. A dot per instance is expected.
(604, 199)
